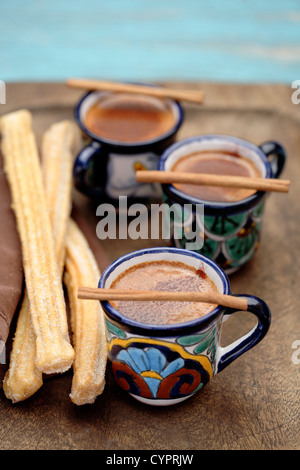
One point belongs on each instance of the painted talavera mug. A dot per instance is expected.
(105, 169)
(230, 230)
(166, 364)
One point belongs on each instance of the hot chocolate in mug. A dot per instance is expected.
(230, 229)
(127, 133)
(164, 364)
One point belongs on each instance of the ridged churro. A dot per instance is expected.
(23, 378)
(87, 320)
(59, 144)
(54, 352)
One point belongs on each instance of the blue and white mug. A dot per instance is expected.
(166, 364)
(105, 168)
(230, 230)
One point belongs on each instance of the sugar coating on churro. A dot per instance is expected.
(54, 352)
(87, 320)
(59, 145)
(22, 379)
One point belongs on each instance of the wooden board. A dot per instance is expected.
(252, 404)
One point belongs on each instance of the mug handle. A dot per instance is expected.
(91, 162)
(231, 352)
(275, 150)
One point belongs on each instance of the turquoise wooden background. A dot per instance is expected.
(215, 40)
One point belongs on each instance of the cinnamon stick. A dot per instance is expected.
(171, 177)
(195, 96)
(225, 300)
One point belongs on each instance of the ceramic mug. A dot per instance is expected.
(166, 364)
(230, 230)
(105, 169)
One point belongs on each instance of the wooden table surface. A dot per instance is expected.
(252, 404)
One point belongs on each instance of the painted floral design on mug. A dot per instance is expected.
(231, 241)
(162, 369)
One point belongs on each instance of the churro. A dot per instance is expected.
(87, 320)
(23, 378)
(59, 144)
(54, 352)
